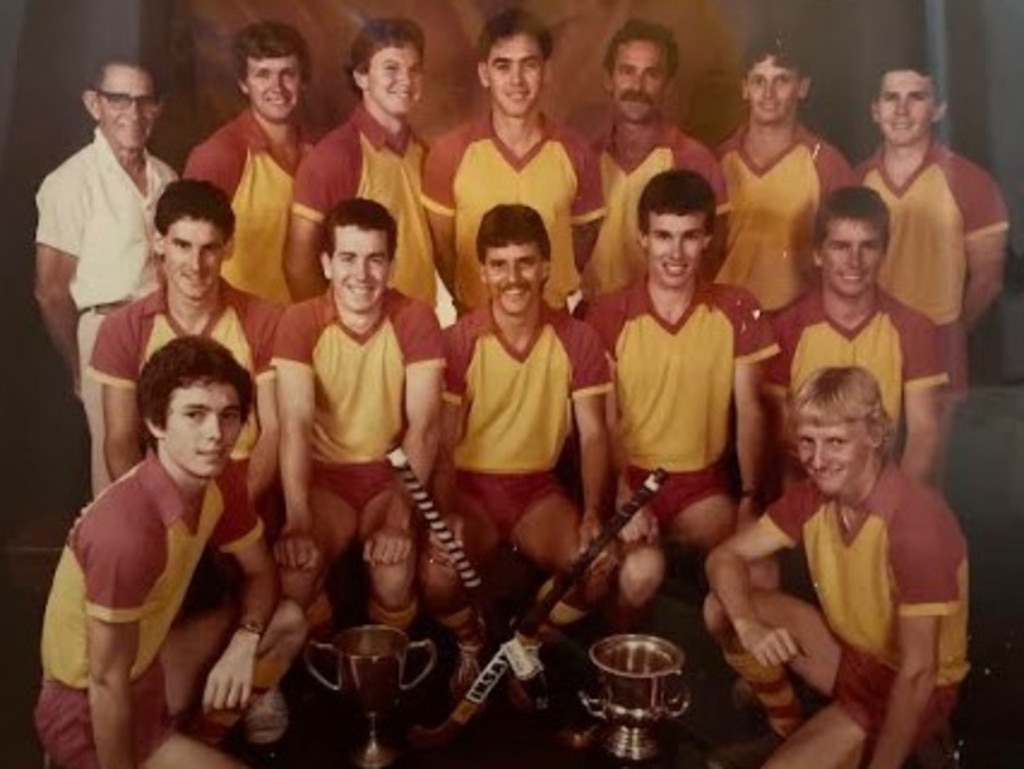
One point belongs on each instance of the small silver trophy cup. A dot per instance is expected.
(370, 667)
(641, 683)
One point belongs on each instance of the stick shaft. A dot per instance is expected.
(426, 507)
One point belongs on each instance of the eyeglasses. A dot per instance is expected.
(122, 102)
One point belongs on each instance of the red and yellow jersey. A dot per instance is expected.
(674, 382)
(898, 346)
(769, 246)
(239, 159)
(470, 170)
(129, 559)
(517, 405)
(129, 337)
(907, 559)
(359, 379)
(935, 214)
(360, 159)
(618, 260)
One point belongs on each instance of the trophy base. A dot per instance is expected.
(374, 755)
(630, 743)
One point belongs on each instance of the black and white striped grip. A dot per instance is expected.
(425, 505)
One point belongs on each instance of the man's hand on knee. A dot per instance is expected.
(229, 684)
(768, 645)
(387, 547)
(297, 550)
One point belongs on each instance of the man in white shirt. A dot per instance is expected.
(95, 225)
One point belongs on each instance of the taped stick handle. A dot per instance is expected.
(565, 581)
(425, 506)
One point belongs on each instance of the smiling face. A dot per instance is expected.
(514, 276)
(358, 272)
(514, 74)
(773, 93)
(125, 107)
(841, 458)
(273, 87)
(637, 81)
(906, 109)
(675, 245)
(203, 422)
(392, 84)
(190, 256)
(849, 258)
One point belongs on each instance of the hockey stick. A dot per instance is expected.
(425, 506)
(513, 653)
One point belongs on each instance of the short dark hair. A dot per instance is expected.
(509, 23)
(100, 65)
(641, 29)
(270, 40)
(184, 362)
(676, 192)
(860, 204)
(377, 34)
(508, 224)
(364, 214)
(774, 45)
(194, 199)
(908, 61)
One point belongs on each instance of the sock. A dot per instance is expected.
(400, 619)
(563, 613)
(773, 690)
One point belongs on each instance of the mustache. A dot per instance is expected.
(637, 96)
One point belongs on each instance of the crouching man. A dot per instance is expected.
(889, 564)
(117, 667)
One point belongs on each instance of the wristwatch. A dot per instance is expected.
(252, 625)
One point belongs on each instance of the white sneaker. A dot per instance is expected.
(266, 720)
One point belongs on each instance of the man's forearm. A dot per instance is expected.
(421, 446)
(750, 447)
(729, 580)
(584, 237)
(60, 317)
(908, 700)
(260, 594)
(594, 463)
(979, 294)
(121, 455)
(262, 463)
(296, 473)
(110, 711)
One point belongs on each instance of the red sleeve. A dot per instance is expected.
(217, 160)
(833, 169)
(261, 321)
(418, 332)
(119, 345)
(122, 553)
(693, 156)
(439, 171)
(586, 353)
(779, 368)
(298, 332)
(920, 343)
(752, 331)
(795, 508)
(328, 174)
(979, 199)
(589, 201)
(239, 522)
(459, 342)
(926, 551)
(607, 316)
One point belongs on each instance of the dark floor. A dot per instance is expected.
(986, 487)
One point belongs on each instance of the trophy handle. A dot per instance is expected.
(307, 657)
(431, 650)
(593, 705)
(678, 702)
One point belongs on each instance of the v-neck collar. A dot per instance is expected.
(516, 162)
(899, 190)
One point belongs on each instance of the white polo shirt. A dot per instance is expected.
(90, 208)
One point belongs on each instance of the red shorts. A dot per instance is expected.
(65, 726)
(953, 347)
(506, 498)
(681, 490)
(355, 484)
(862, 689)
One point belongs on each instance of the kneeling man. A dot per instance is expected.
(889, 564)
(116, 666)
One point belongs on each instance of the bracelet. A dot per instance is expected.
(253, 626)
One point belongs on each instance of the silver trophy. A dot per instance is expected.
(370, 667)
(640, 684)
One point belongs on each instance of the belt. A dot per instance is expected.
(103, 308)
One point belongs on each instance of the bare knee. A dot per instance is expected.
(288, 628)
(439, 585)
(716, 620)
(640, 575)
